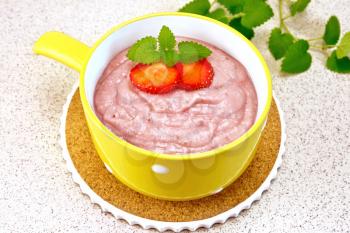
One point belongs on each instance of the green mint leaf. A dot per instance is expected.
(219, 14)
(166, 39)
(144, 51)
(343, 49)
(190, 52)
(167, 42)
(256, 12)
(298, 6)
(279, 43)
(297, 59)
(233, 6)
(247, 32)
(170, 57)
(332, 31)
(200, 7)
(339, 65)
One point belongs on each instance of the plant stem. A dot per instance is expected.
(286, 29)
(280, 4)
(319, 49)
(235, 16)
(286, 17)
(323, 47)
(282, 24)
(329, 46)
(313, 39)
(212, 5)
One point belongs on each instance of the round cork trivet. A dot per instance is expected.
(99, 181)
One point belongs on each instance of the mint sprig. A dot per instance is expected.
(246, 15)
(294, 50)
(147, 51)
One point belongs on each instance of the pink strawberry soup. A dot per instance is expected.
(179, 122)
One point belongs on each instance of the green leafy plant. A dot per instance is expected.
(246, 15)
(147, 51)
(243, 15)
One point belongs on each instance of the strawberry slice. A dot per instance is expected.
(196, 75)
(155, 79)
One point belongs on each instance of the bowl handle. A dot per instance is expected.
(62, 48)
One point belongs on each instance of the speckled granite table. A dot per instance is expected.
(37, 194)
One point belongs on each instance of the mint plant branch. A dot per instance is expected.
(246, 15)
(338, 61)
(286, 17)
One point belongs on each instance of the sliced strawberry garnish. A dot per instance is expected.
(196, 75)
(156, 78)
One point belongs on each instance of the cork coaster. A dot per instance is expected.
(109, 191)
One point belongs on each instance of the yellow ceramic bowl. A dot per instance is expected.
(171, 177)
